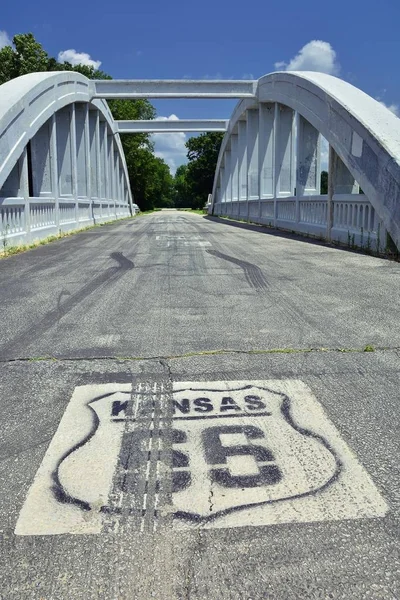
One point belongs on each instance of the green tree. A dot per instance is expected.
(149, 176)
(138, 148)
(163, 183)
(182, 194)
(7, 64)
(324, 182)
(28, 56)
(202, 155)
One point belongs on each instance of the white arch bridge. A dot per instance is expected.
(62, 165)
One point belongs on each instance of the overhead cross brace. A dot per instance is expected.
(174, 88)
(172, 126)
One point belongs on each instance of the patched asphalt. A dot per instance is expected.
(175, 297)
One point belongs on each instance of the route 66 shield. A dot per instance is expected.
(260, 449)
(243, 453)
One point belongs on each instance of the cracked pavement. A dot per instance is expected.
(174, 297)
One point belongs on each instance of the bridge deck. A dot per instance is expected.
(173, 297)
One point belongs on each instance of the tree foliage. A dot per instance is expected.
(29, 56)
(150, 178)
(324, 182)
(195, 182)
(182, 195)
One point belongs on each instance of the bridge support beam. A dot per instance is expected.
(178, 88)
(308, 159)
(228, 175)
(266, 150)
(235, 170)
(242, 159)
(253, 178)
(344, 182)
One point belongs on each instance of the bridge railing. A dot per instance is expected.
(269, 166)
(62, 165)
(355, 221)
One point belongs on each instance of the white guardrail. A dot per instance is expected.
(355, 222)
(62, 166)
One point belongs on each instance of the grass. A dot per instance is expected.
(369, 348)
(216, 352)
(12, 250)
(198, 211)
(147, 212)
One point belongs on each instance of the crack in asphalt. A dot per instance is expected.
(222, 351)
(210, 498)
(163, 362)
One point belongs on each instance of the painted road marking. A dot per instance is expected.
(74, 480)
(262, 453)
(170, 240)
(243, 453)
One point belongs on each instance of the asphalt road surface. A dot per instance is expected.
(188, 412)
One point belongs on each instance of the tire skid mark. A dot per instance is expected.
(254, 275)
(158, 482)
(122, 499)
(148, 463)
(62, 308)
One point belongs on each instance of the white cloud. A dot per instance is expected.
(5, 39)
(324, 154)
(214, 76)
(314, 56)
(394, 108)
(78, 58)
(170, 146)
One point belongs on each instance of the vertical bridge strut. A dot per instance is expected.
(62, 164)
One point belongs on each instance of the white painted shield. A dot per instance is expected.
(259, 448)
(74, 480)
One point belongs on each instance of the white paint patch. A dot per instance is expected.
(107, 340)
(74, 480)
(262, 453)
(167, 241)
(356, 145)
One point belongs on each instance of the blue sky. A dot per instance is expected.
(219, 39)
